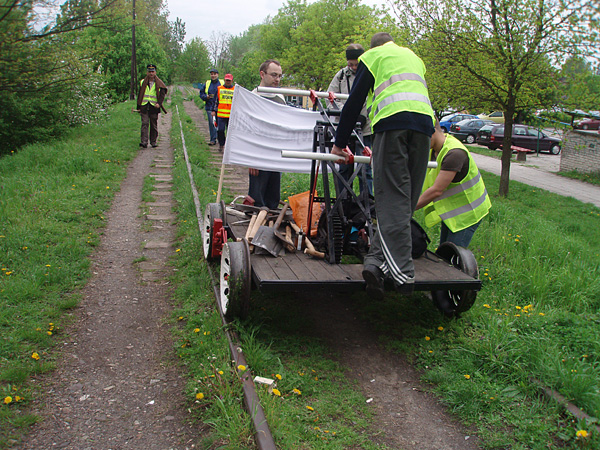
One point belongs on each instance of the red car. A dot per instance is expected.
(588, 124)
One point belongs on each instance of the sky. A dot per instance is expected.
(230, 16)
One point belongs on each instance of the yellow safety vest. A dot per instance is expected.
(462, 204)
(225, 100)
(150, 94)
(207, 85)
(399, 82)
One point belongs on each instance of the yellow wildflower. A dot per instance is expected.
(440, 328)
(467, 376)
(427, 338)
(310, 408)
(276, 392)
(7, 399)
(582, 433)
(199, 396)
(297, 391)
(241, 367)
(278, 376)
(196, 330)
(35, 356)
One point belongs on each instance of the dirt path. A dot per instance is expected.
(118, 385)
(407, 417)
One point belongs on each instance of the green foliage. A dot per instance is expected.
(112, 51)
(193, 63)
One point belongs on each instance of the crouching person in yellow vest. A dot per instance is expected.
(149, 103)
(453, 193)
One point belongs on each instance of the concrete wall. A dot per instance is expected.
(580, 151)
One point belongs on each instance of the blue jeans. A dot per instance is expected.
(461, 238)
(211, 127)
(222, 124)
(265, 189)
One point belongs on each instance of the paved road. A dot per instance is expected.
(538, 172)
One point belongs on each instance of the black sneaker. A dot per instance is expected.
(212, 143)
(374, 278)
(144, 145)
(154, 145)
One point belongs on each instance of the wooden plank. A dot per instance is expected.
(280, 268)
(296, 263)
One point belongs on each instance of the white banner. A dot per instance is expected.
(259, 129)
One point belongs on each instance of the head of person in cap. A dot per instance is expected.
(353, 51)
(214, 74)
(228, 80)
(151, 71)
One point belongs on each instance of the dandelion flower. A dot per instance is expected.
(8, 399)
(278, 376)
(241, 367)
(276, 392)
(427, 338)
(467, 376)
(440, 328)
(35, 356)
(310, 408)
(580, 433)
(297, 391)
(199, 396)
(220, 372)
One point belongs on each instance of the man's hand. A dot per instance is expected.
(345, 158)
(213, 113)
(253, 172)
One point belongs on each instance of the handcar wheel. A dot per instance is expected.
(454, 302)
(470, 139)
(555, 149)
(212, 212)
(235, 281)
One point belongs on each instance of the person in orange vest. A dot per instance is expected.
(222, 108)
(149, 103)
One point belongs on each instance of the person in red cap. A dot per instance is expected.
(222, 108)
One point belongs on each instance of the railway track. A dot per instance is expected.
(263, 436)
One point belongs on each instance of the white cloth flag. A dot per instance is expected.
(260, 128)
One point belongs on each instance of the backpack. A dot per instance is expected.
(420, 240)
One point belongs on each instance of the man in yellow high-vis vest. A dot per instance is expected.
(149, 103)
(392, 80)
(453, 193)
(222, 109)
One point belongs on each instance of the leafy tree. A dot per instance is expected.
(504, 50)
(581, 86)
(111, 50)
(193, 63)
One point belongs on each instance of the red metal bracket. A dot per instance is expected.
(219, 234)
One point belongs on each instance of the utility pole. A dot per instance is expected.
(133, 90)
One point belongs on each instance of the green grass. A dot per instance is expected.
(536, 316)
(592, 177)
(53, 201)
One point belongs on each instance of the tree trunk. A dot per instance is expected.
(506, 152)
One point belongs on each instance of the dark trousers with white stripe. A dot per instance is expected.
(399, 167)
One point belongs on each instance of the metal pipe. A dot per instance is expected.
(297, 92)
(334, 158)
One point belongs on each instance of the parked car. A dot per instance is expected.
(447, 121)
(466, 130)
(522, 136)
(588, 124)
(496, 117)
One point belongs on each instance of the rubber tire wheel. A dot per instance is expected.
(212, 212)
(555, 149)
(470, 139)
(462, 259)
(235, 280)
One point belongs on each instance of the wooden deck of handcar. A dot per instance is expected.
(300, 272)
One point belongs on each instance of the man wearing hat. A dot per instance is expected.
(342, 84)
(222, 108)
(149, 103)
(208, 94)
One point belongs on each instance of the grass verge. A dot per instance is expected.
(54, 197)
